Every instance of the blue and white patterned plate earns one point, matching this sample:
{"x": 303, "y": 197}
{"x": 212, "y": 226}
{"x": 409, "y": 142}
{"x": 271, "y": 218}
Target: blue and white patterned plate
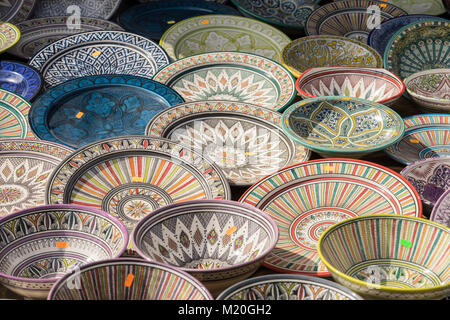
{"x": 103, "y": 9}
{"x": 96, "y": 53}
{"x": 154, "y": 18}
{"x": 20, "y": 78}
{"x": 88, "y": 109}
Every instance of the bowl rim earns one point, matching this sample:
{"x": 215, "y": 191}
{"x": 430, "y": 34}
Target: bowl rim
{"x": 382, "y": 288}
{"x": 105, "y": 214}
{"x": 275, "y": 277}
{"x": 208, "y": 203}
{"x": 305, "y": 143}
{"x": 196, "y": 283}
{"x": 438, "y": 203}
{"x": 389, "y": 76}
{"x": 420, "y": 96}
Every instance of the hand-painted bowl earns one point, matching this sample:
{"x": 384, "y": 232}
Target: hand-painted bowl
{"x": 287, "y": 287}
{"x": 430, "y": 177}
{"x": 39, "y": 245}
{"x": 430, "y": 89}
{"x": 418, "y": 46}
{"x": 374, "y": 84}
{"x": 218, "y": 242}
{"x": 389, "y": 257}
{"x": 441, "y": 210}
{"x": 342, "y": 126}
{"x": 350, "y": 18}
{"x": 128, "y": 279}
{"x": 328, "y": 51}
{"x": 425, "y": 136}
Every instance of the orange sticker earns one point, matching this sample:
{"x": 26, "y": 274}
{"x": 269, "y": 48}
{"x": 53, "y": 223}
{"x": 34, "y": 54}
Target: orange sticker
{"x": 62, "y": 244}
{"x": 129, "y": 280}
{"x": 96, "y": 53}
{"x": 230, "y": 231}
{"x": 414, "y": 140}
{"x": 79, "y": 115}
{"x": 138, "y": 179}
{"x": 205, "y": 22}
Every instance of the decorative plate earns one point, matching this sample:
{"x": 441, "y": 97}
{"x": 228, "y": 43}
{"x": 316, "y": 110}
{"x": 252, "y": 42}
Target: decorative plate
{"x": 103, "y": 9}
{"x": 431, "y": 7}
{"x": 430, "y": 89}
{"x": 20, "y": 79}
{"x": 350, "y": 18}
{"x": 418, "y": 46}
{"x": 379, "y": 37}
{"x": 15, "y": 11}
{"x": 285, "y": 14}
{"x": 38, "y": 33}
{"x": 244, "y": 140}
{"x": 14, "y": 116}
{"x": 88, "y": 109}
{"x": 342, "y": 126}
{"x": 374, "y": 84}
{"x": 131, "y": 176}
{"x": 307, "y": 198}
{"x": 99, "y": 52}
{"x": 9, "y": 35}
{"x": 230, "y": 76}
{"x": 223, "y": 33}
{"x": 426, "y": 136}
{"x": 441, "y": 210}
{"x": 154, "y": 18}
{"x": 430, "y": 177}
{"x": 328, "y": 51}
{"x": 25, "y": 166}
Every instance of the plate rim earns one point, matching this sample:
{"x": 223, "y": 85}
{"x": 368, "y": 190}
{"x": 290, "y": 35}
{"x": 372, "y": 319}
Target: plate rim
{"x": 35, "y": 71}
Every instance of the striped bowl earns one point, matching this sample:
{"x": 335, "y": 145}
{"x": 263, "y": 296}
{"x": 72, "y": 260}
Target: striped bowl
{"x": 128, "y": 279}
{"x": 389, "y": 257}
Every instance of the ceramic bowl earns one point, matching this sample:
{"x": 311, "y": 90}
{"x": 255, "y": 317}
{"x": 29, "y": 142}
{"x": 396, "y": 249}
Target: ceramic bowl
{"x": 441, "y": 210}
{"x": 287, "y": 287}
{"x": 128, "y": 279}
{"x": 389, "y": 257}
{"x": 328, "y": 51}
{"x": 39, "y": 245}
{"x": 342, "y": 126}
{"x": 425, "y": 136}
{"x": 218, "y": 242}
{"x": 350, "y": 18}
{"x": 430, "y": 89}
{"x": 418, "y": 46}
{"x": 431, "y": 7}
{"x": 430, "y": 177}
{"x": 374, "y": 84}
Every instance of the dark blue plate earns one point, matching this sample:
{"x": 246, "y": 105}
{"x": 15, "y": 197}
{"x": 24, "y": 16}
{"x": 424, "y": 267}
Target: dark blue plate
{"x": 20, "y": 78}
{"x": 88, "y": 109}
{"x": 152, "y": 19}
{"x": 379, "y": 38}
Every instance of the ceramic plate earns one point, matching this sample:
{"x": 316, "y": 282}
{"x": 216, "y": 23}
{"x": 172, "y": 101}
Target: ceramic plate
{"x": 286, "y": 14}
{"x": 87, "y": 109}
{"x": 9, "y": 35}
{"x": 244, "y": 140}
{"x": 426, "y": 136}
{"x": 38, "y": 33}
{"x": 441, "y": 210}
{"x": 131, "y": 176}
{"x": 15, "y": 11}
{"x": 418, "y": 46}
{"x": 230, "y": 76}
{"x": 307, "y": 198}
{"x": 103, "y": 9}
{"x": 25, "y": 166}
{"x": 223, "y": 33}
{"x": 98, "y": 52}
{"x": 20, "y": 79}
{"x": 430, "y": 177}
{"x": 328, "y": 51}
{"x": 153, "y": 19}
{"x": 349, "y": 18}
{"x": 14, "y": 116}
{"x": 379, "y": 37}
{"x": 432, "y": 7}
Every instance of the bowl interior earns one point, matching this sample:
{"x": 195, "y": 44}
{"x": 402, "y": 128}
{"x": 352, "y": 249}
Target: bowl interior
{"x": 48, "y": 243}
{"x": 433, "y": 84}
{"x": 342, "y": 125}
{"x": 205, "y": 238}
{"x": 395, "y": 252}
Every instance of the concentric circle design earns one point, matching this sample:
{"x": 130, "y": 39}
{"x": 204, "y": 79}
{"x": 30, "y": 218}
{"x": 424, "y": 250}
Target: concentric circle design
{"x": 9, "y": 35}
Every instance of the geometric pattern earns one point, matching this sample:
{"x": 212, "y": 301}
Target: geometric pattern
{"x": 20, "y": 78}
{"x": 441, "y": 211}
{"x": 16, "y": 11}
{"x": 14, "y": 106}
{"x": 103, "y": 9}
{"x": 9, "y": 35}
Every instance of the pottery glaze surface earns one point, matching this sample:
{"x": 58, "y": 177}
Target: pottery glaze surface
{"x": 20, "y": 79}
{"x": 14, "y": 122}
{"x": 441, "y": 210}
{"x": 103, "y": 9}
